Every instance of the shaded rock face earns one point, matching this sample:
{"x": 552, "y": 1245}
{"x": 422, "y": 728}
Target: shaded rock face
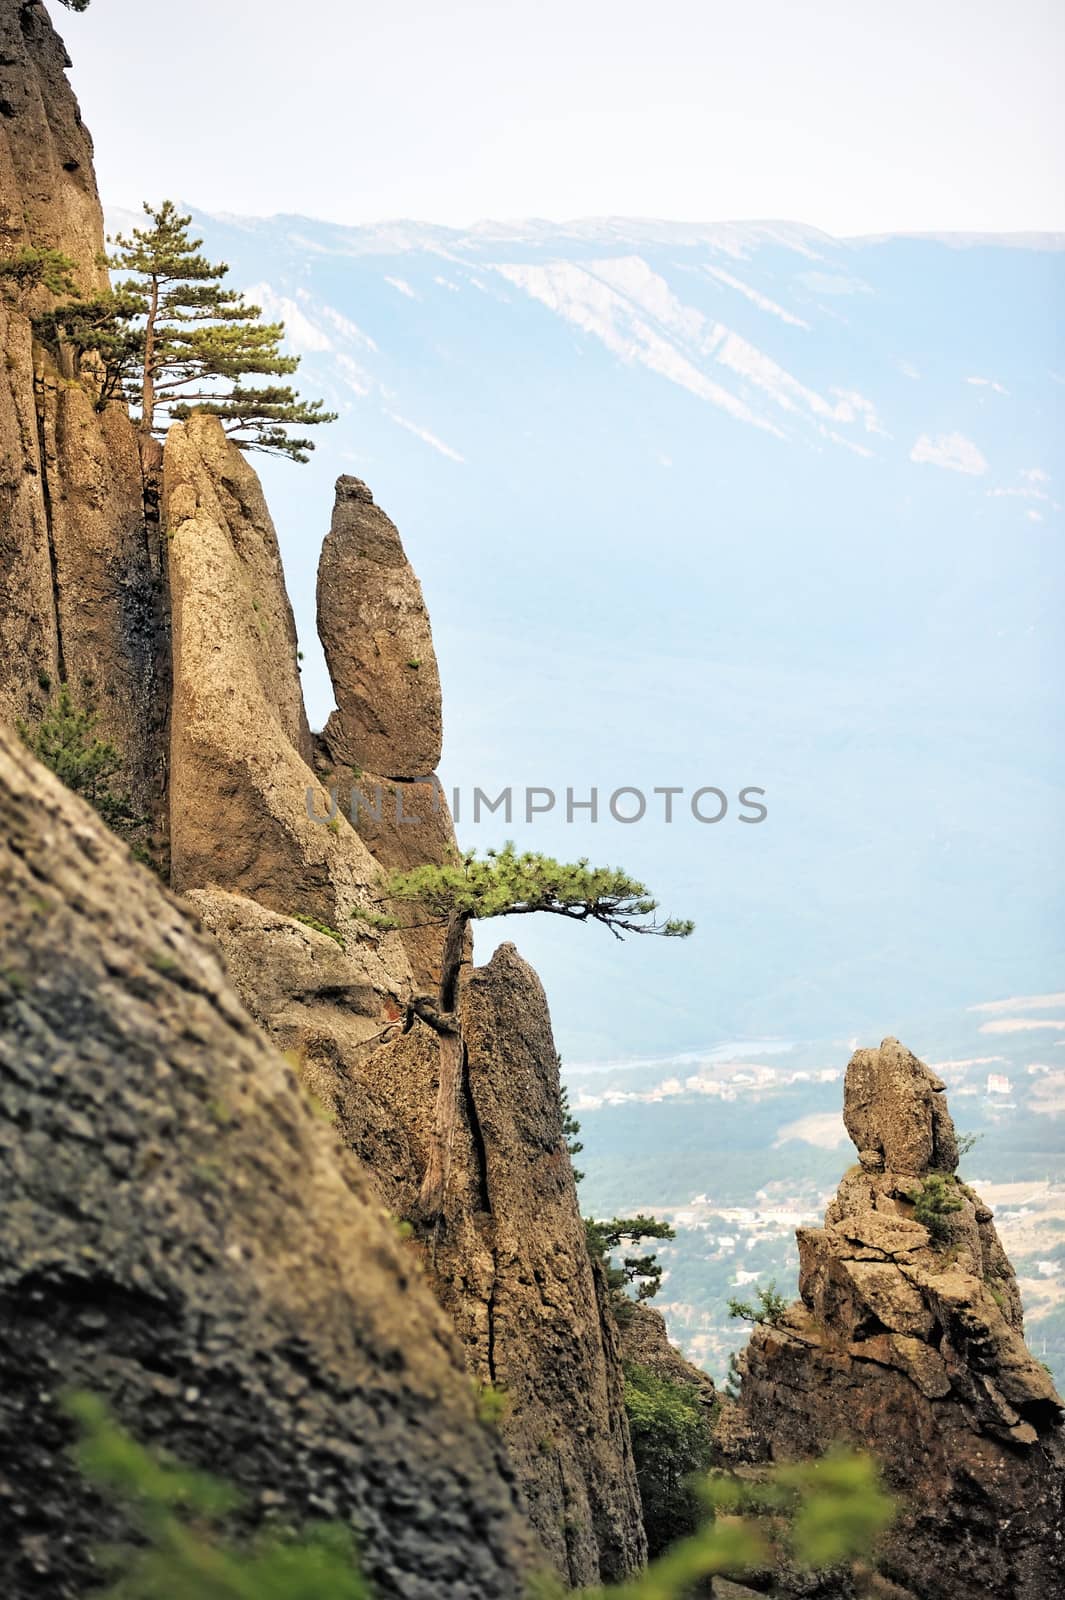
{"x": 112, "y": 638}
{"x": 178, "y": 1237}
{"x": 375, "y": 632}
{"x": 404, "y": 824}
{"x": 509, "y": 1262}
{"x": 913, "y": 1347}
{"x": 82, "y": 593}
{"x": 325, "y": 1007}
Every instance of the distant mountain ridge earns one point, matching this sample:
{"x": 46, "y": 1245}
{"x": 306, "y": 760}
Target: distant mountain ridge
{"x": 731, "y": 235}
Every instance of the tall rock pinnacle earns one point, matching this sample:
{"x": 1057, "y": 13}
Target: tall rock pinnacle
{"x": 908, "y": 1341}
{"x": 378, "y": 644}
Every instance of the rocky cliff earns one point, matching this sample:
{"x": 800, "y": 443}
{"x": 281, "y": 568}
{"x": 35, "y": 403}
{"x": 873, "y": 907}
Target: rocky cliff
{"x": 155, "y": 591}
{"x": 178, "y": 1235}
{"x": 508, "y": 1259}
{"x": 908, "y": 1341}
{"x": 82, "y": 580}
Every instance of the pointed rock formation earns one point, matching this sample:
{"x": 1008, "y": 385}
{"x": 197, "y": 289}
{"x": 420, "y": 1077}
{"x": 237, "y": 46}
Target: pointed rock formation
{"x": 378, "y": 644}
{"x": 178, "y": 1238}
{"x": 908, "y": 1341}
{"x": 381, "y": 746}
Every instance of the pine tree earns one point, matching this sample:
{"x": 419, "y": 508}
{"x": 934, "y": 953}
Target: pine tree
{"x": 198, "y": 343}
{"x": 767, "y": 1309}
{"x": 500, "y": 884}
{"x": 30, "y": 269}
{"x": 105, "y": 330}
{"x": 643, "y": 1272}
{"x": 503, "y": 883}
{"x": 65, "y": 739}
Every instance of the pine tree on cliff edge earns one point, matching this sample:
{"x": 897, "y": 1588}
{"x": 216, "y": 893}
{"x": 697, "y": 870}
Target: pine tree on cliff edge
{"x": 199, "y": 343}
{"x": 502, "y": 883}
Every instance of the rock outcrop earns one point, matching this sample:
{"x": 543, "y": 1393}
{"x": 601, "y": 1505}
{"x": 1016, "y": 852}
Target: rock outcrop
{"x": 247, "y": 813}
{"x": 48, "y": 195}
{"x": 908, "y": 1341}
{"x": 646, "y": 1343}
{"x": 375, "y": 632}
{"x": 178, "y": 1238}
{"x": 82, "y": 587}
{"x": 509, "y": 1262}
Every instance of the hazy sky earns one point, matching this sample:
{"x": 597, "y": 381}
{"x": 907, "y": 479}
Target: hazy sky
{"x": 851, "y": 115}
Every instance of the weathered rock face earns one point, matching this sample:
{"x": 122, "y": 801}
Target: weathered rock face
{"x": 239, "y": 778}
{"x": 381, "y": 745}
{"x": 28, "y": 634}
{"x": 404, "y": 824}
{"x": 112, "y": 641}
{"x": 178, "y": 1238}
{"x": 48, "y": 195}
{"x": 375, "y": 632}
{"x": 895, "y": 1112}
{"x": 912, "y": 1346}
{"x": 510, "y": 1264}
{"x": 82, "y": 595}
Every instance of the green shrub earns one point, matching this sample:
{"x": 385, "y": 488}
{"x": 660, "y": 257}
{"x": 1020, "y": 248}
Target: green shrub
{"x": 492, "y": 1404}
{"x": 320, "y": 927}
{"x": 823, "y": 1516}
{"x": 66, "y": 741}
{"x": 768, "y": 1308}
{"x": 934, "y": 1203}
{"x": 671, "y": 1441}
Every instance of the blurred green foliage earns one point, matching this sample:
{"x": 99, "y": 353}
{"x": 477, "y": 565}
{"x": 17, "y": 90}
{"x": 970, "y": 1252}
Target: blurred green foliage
{"x": 817, "y": 1515}
{"x": 183, "y": 1552}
